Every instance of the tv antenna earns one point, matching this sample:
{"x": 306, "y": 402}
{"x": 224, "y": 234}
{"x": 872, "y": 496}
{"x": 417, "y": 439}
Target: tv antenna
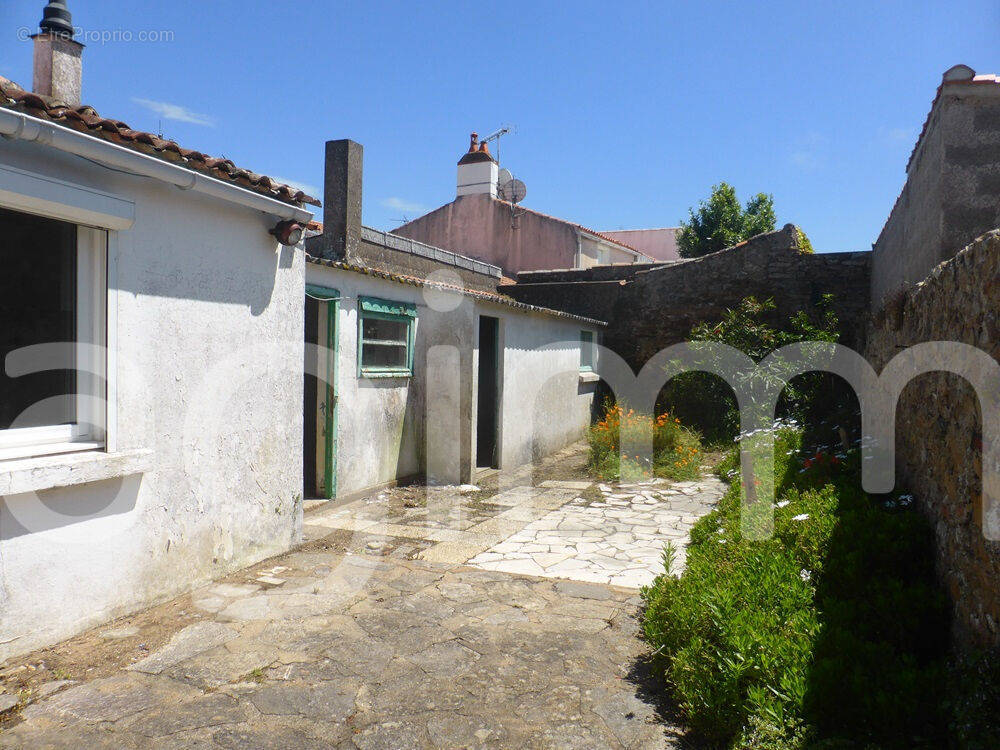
{"x": 495, "y": 136}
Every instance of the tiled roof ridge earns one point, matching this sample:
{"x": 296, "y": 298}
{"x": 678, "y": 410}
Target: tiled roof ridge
{"x": 500, "y": 299}
{"x": 85, "y": 119}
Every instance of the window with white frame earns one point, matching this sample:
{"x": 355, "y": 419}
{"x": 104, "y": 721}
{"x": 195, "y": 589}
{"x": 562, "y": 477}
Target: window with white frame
{"x": 385, "y": 338}
{"x": 52, "y": 358}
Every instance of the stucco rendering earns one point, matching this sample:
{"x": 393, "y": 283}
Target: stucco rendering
{"x": 195, "y": 478}
{"x": 658, "y": 244}
{"x": 484, "y": 223}
{"x": 404, "y": 427}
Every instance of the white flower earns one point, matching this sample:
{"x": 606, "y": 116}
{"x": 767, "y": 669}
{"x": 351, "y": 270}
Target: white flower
{"x": 800, "y": 517}
{"x": 781, "y": 504}
{"x": 805, "y": 575}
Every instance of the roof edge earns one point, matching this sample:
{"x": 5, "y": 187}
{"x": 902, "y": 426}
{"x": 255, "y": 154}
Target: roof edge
{"x": 496, "y": 298}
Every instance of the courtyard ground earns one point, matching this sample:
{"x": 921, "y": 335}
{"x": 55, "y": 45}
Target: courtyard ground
{"x": 503, "y": 615}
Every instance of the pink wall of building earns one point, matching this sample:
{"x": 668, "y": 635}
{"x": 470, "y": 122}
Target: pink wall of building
{"x": 481, "y": 227}
{"x": 660, "y": 244}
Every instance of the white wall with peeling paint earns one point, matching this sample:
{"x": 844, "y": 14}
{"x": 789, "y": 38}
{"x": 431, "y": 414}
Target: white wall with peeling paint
{"x": 207, "y": 312}
{"x": 396, "y": 428}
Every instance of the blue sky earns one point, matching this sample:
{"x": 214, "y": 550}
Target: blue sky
{"x": 625, "y": 113}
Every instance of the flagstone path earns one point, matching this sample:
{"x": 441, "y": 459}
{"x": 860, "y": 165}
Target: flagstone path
{"x": 389, "y": 634}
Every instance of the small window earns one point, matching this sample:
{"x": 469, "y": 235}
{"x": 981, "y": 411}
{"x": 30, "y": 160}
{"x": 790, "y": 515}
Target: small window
{"x": 586, "y": 350}
{"x": 52, "y": 304}
{"x": 385, "y": 338}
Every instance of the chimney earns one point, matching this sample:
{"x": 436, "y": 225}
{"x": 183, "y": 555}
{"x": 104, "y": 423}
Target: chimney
{"x": 58, "y": 64}
{"x": 342, "y": 187}
{"x": 477, "y": 171}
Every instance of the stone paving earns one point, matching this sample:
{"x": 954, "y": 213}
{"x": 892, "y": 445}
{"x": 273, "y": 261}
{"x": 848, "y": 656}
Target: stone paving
{"x": 617, "y": 539}
{"x": 574, "y": 529}
{"x": 415, "y": 618}
{"x": 351, "y": 651}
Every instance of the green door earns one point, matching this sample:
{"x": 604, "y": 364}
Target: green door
{"x": 328, "y": 303}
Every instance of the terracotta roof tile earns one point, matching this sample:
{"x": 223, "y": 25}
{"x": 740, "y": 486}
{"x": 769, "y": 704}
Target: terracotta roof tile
{"x": 500, "y": 299}
{"x": 85, "y": 119}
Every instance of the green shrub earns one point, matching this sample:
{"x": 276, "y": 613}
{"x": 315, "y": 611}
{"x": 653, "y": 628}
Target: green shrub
{"x": 704, "y": 402}
{"x": 831, "y": 631}
{"x": 676, "y": 449}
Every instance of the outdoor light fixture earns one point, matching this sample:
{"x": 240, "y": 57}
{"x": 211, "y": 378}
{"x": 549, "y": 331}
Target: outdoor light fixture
{"x": 288, "y": 232}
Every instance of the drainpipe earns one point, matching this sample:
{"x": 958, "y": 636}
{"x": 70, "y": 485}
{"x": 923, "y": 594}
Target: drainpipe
{"x": 19, "y": 126}
{"x": 579, "y": 250}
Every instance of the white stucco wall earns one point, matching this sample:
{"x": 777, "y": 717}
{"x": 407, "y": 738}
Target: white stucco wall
{"x": 545, "y": 405}
{"x": 388, "y": 428}
{"x": 206, "y": 319}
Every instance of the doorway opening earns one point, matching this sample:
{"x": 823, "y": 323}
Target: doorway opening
{"x": 319, "y": 423}
{"x": 488, "y": 397}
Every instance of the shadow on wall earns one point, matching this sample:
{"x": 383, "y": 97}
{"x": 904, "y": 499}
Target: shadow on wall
{"x": 244, "y": 276}
{"x": 50, "y": 510}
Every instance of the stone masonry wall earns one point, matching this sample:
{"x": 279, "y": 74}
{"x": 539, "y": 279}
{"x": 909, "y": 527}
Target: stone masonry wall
{"x": 938, "y": 426}
{"x": 952, "y": 190}
{"x": 659, "y": 305}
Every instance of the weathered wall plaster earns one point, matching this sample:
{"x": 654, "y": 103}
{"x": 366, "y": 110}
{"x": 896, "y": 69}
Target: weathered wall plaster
{"x": 384, "y": 424}
{"x": 209, "y": 327}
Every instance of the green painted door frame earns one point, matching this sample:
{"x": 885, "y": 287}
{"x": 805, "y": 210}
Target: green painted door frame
{"x": 331, "y": 298}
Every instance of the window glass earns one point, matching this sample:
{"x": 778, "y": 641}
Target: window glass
{"x": 586, "y": 350}
{"x": 384, "y": 331}
{"x": 38, "y": 305}
{"x": 384, "y": 346}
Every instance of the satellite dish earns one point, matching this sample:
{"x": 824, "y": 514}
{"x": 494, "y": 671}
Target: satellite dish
{"x": 503, "y": 177}
{"x": 514, "y": 191}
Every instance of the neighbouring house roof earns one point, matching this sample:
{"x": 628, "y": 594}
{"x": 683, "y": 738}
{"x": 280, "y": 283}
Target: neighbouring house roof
{"x": 414, "y": 247}
{"x": 85, "y": 119}
{"x": 500, "y": 299}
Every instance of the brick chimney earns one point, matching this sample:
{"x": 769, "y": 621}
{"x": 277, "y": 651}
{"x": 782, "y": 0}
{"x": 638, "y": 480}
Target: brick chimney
{"x": 58, "y": 64}
{"x": 477, "y": 170}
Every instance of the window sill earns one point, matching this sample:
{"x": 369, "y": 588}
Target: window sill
{"x": 386, "y": 374}
{"x": 586, "y": 376}
{"x": 68, "y": 469}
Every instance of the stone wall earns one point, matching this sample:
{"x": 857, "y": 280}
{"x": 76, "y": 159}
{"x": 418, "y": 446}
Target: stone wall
{"x": 938, "y": 426}
{"x": 952, "y": 190}
{"x": 657, "y": 306}
{"x": 591, "y": 299}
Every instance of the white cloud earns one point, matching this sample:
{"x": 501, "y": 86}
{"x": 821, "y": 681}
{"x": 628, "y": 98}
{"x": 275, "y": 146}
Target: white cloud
{"x": 175, "y": 112}
{"x": 305, "y": 187}
{"x": 408, "y": 207}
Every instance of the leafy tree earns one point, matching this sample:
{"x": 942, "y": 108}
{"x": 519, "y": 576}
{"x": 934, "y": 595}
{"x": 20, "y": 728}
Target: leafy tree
{"x": 720, "y": 222}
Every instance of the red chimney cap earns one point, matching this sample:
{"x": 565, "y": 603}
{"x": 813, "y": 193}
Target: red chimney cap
{"x": 473, "y": 141}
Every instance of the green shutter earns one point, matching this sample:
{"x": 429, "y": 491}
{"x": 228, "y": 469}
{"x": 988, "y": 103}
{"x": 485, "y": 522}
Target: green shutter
{"x": 387, "y": 307}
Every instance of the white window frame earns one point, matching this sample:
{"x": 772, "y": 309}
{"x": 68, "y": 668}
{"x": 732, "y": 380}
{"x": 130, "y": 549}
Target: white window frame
{"x": 97, "y": 243}
{"x": 88, "y": 430}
